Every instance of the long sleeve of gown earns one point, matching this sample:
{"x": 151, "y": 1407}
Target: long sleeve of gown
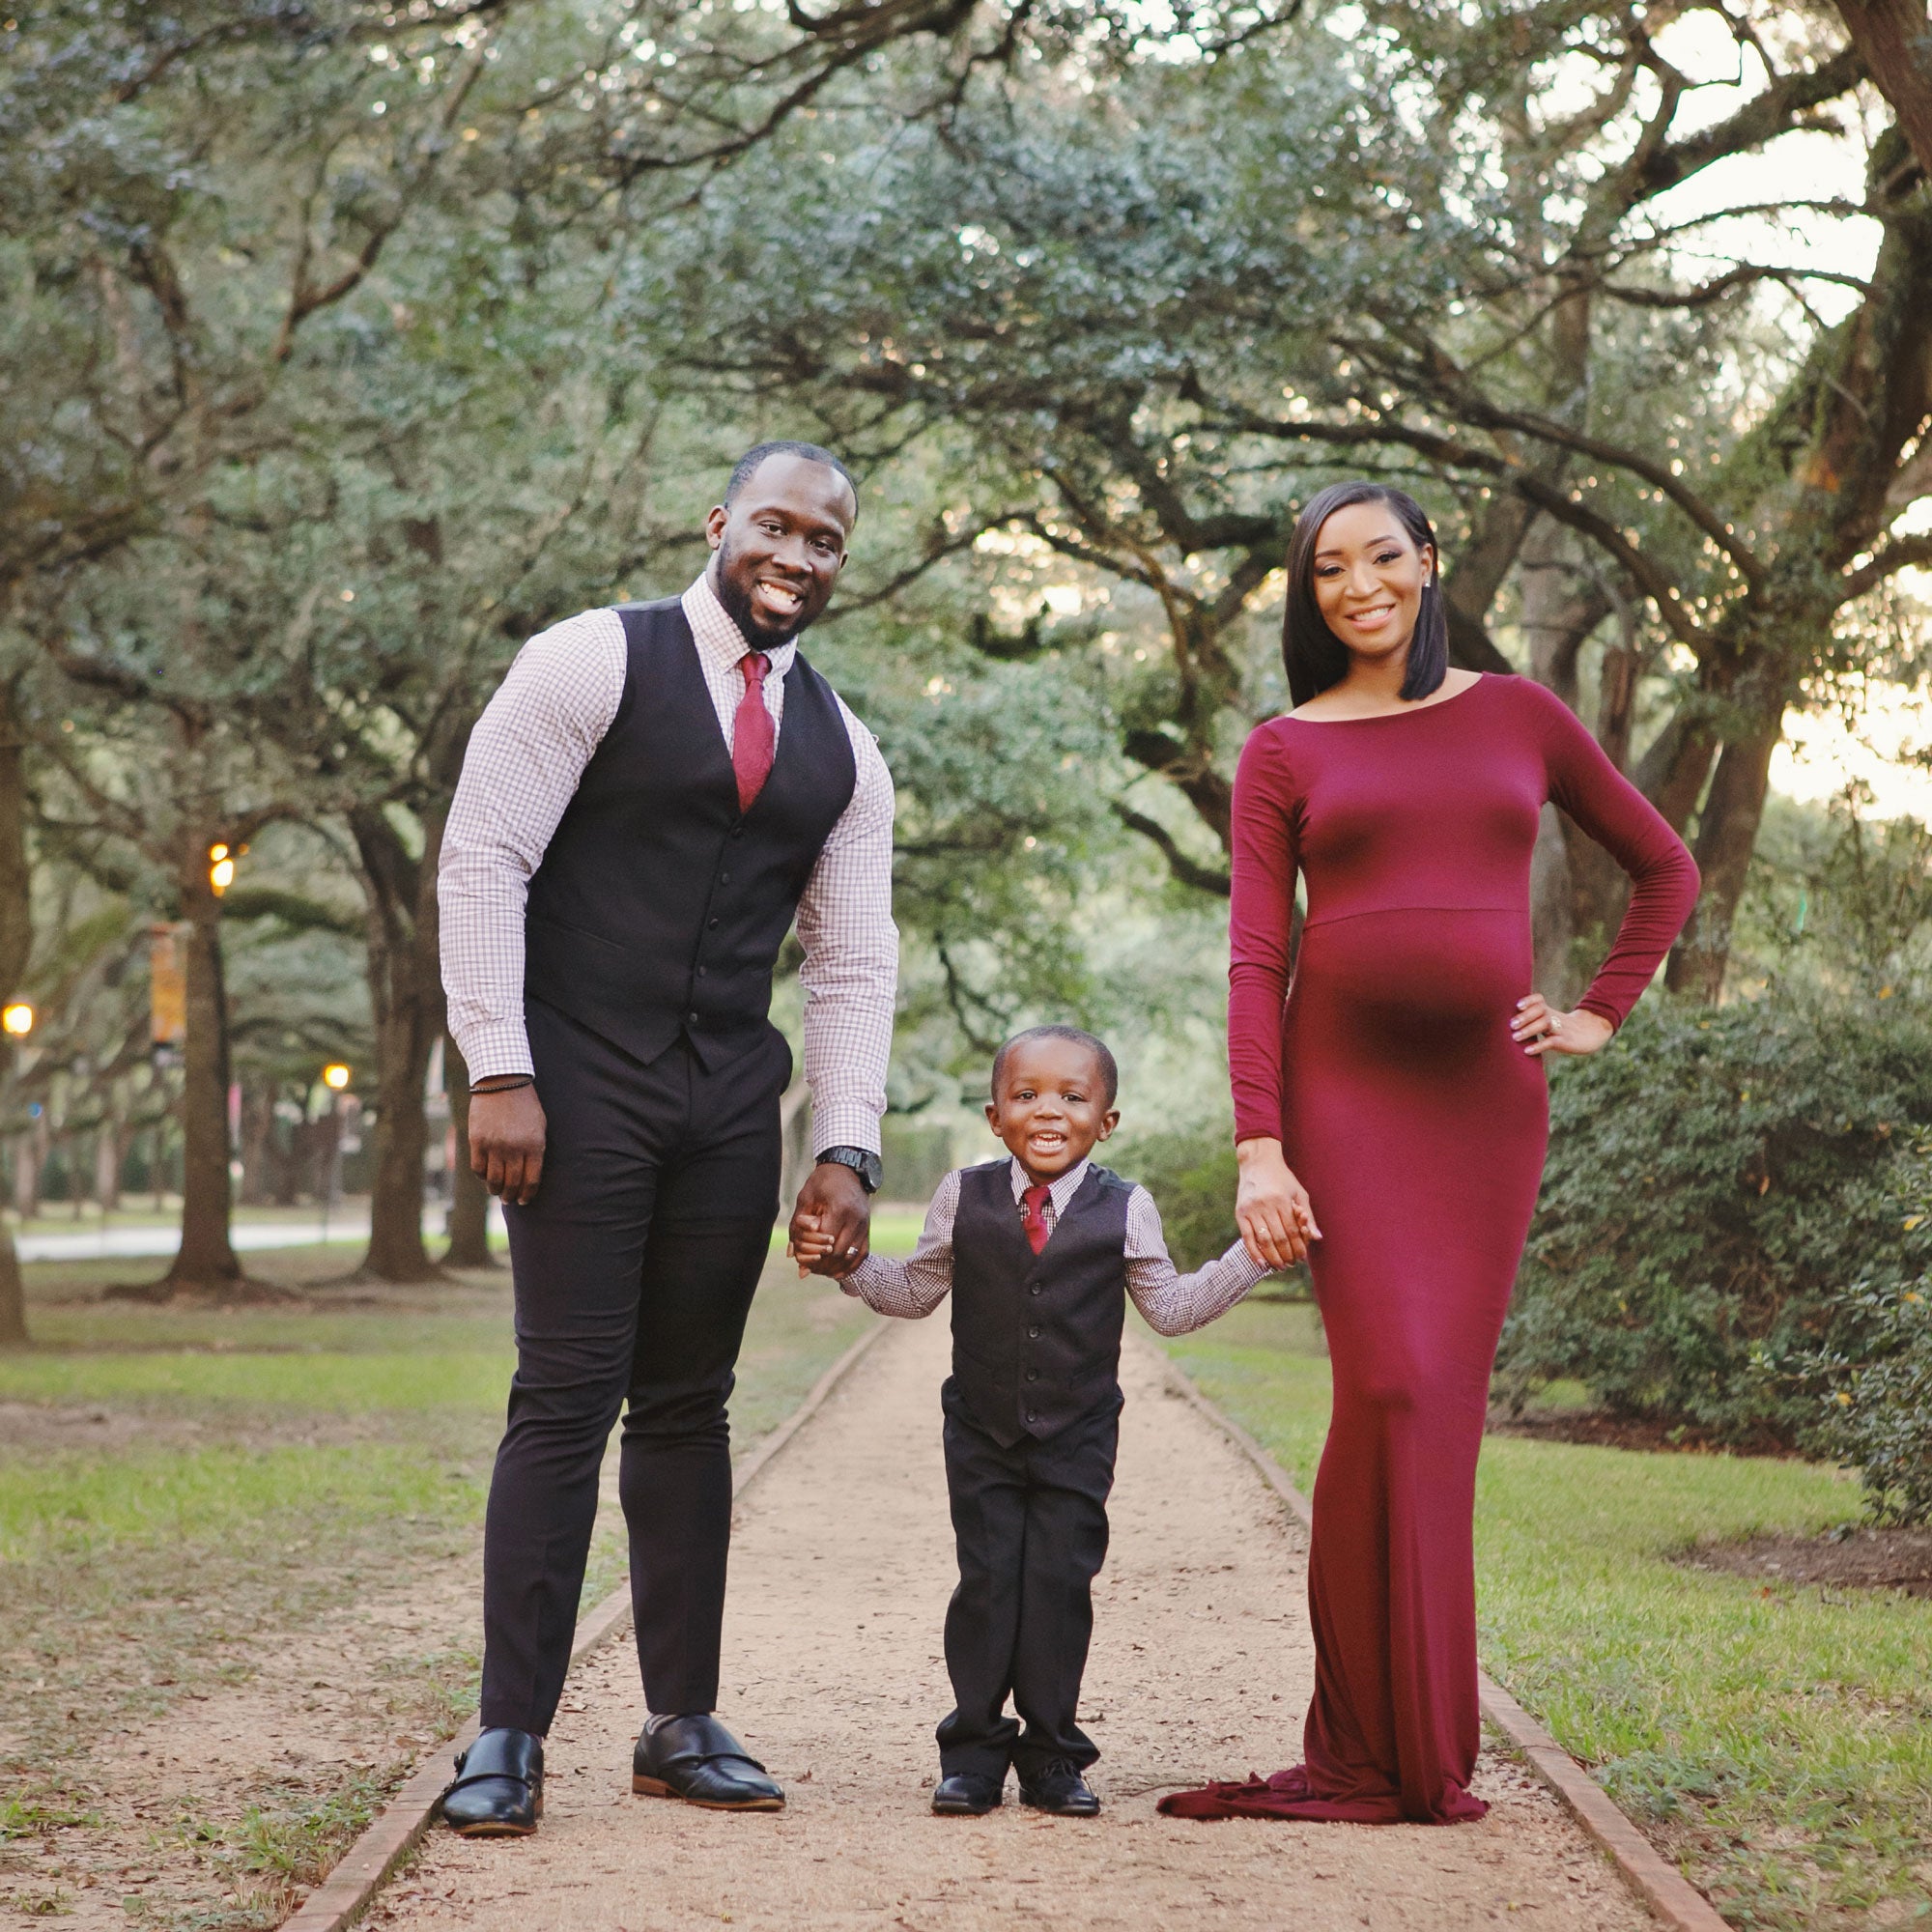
{"x": 1261, "y": 918}
{"x": 1664, "y": 875}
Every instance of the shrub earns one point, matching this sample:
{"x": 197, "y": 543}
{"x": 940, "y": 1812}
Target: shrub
{"x": 1717, "y": 1183}
{"x": 1873, "y": 1383}
{"x": 1192, "y": 1178}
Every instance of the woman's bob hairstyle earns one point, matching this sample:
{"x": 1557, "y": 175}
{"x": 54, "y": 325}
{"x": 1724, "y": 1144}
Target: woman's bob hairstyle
{"x": 1311, "y": 654}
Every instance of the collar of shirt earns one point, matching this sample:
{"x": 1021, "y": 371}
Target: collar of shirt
{"x": 717, "y": 636}
{"x": 1059, "y": 1191}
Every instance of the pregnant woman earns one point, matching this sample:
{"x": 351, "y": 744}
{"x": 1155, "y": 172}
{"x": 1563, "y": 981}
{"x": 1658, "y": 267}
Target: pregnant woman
{"x": 1392, "y": 1112}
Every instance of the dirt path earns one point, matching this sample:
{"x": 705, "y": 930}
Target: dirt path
{"x": 1201, "y": 1666}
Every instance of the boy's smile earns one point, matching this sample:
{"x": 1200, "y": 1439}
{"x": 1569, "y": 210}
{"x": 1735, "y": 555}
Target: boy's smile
{"x": 1051, "y": 1106}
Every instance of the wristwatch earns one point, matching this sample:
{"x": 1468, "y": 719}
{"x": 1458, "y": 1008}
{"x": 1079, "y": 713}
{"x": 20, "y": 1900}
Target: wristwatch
{"x": 862, "y": 1162}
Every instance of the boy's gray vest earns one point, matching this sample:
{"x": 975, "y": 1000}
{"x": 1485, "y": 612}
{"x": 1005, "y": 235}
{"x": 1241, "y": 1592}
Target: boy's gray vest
{"x": 1036, "y": 1338}
{"x": 659, "y": 907}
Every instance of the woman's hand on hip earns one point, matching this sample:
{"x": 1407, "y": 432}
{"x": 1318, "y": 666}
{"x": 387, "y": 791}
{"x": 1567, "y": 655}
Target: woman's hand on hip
{"x": 1539, "y": 1029}
{"x": 1272, "y": 1206}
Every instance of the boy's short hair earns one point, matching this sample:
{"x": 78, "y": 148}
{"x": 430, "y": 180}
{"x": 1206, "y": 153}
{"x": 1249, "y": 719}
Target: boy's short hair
{"x": 1102, "y": 1053}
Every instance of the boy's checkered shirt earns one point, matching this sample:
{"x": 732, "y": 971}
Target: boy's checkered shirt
{"x": 1172, "y": 1302}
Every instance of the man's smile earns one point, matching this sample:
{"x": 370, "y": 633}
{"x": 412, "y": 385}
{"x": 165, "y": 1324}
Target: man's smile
{"x": 777, "y": 599}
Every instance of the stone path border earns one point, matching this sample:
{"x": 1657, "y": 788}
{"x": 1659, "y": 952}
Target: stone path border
{"x": 1670, "y": 1896}
{"x": 362, "y": 1871}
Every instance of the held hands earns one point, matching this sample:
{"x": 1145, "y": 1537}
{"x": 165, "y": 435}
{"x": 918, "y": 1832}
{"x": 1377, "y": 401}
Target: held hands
{"x": 831, "y": 1226}
{"x": 506, "y": 1141}
{"x": 1272, "y": 1206}
{"x": 1547, "y": 1030}
{"x": 810, "y": 1247}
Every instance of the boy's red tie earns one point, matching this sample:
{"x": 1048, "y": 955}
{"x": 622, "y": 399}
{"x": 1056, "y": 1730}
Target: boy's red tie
{"x": 754, "y": 742}
{"x": 1033, "y": 1204}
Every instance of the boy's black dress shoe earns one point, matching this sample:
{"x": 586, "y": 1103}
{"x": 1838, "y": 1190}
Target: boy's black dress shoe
{"x": 966, "y": 1794}
{"x": 698, "y": 1759}
{"x": 1057, "y": 1786}
{"x": 498, "y": 1792}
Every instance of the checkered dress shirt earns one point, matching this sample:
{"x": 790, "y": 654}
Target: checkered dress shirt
{"x": 1172, "y": 1302}
{"x": 526, "y": 758}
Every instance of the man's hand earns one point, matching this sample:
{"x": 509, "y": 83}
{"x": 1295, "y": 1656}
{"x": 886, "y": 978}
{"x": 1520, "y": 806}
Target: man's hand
{"x": 832, "y": 1225}
{"x": 506, "y": 1141}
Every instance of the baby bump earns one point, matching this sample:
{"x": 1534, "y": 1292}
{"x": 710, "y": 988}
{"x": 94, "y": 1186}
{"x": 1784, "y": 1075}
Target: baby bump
{"x": 1414, "y": 1119}
{"x": 1416, "y": 979}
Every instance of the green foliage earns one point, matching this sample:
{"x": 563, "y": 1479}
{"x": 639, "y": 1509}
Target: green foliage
{"x": 1191, "y": 1176}
{"x": 1874, "y": 1382}
{"x": 1878, "y": 1414}
{"x": 1716, "y": 1182}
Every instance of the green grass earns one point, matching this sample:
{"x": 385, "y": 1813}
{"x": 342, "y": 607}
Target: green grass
{"x": 1776, "y": 1739}
{"x": 254, "y": 1468}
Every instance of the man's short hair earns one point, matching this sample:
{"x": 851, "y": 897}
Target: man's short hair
{"x": 747, "y": 467}
{"x": 1109, "y": 1072}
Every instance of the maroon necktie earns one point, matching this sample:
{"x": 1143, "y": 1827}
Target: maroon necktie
{"x": 754, "y": 742}
{"x": 1032, "y": 1206}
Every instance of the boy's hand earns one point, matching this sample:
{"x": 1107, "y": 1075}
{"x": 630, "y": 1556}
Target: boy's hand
{"x": 810, "y": 1245}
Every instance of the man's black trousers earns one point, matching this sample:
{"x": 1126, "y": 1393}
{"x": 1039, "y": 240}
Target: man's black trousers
{"x": 1031, "y": 1527}
{"x": 635, "y": 1268}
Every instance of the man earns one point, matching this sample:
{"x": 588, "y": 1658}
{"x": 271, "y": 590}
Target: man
{"x": 647, "y": 802}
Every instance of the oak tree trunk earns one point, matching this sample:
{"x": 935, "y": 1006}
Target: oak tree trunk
{"x": 406, "y": 997}
{"x": 469, "y": 1198}
{"x": 1726, "y": 833}
{"x": 17, "y": 938}
{"x": 205, "y": 1258}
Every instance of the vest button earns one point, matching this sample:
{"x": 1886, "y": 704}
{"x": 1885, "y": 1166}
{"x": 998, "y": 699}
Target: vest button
{"x": 702, "y": 970}
{"x": 1035, "y": 1289}
{"x": 737, "y": 832}
{"x": 714, "y": 923}
{"x": 1033, "y": 1333}
{"x": 1032, "y": 1416}
{"x": 691, "y": 1017}
{"x": 723, "y": 878}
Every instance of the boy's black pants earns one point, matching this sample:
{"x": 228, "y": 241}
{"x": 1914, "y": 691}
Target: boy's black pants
{"x": 1031, "y": 1525}
{"x": 635, "y": 1269}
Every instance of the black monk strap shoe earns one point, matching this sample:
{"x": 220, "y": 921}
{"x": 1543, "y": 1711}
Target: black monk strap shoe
{"x": 1057, "y": 1786}
{"x": 966, "y": 1794}
{"x": 699, "y": 1760}
{"x": 498, "y": 1788}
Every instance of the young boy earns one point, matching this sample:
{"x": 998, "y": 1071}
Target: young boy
{"x": 1039, "y": 1252}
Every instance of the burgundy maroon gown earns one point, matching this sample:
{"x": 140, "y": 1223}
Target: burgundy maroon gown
{"x": 1419, "y": 1126}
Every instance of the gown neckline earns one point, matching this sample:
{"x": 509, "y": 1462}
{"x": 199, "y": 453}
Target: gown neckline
{"x": 1382, "y": 716}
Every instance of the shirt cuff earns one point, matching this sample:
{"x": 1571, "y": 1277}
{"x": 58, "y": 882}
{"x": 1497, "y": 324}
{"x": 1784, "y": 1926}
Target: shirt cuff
{"x": 500, "y": 1047}
{"x": 844, "y": 1124}
{"x": 1245, "y": 1268}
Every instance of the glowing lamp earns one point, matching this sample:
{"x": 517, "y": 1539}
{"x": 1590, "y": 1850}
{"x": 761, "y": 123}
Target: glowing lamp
{"x": 16, "y": 1017}
{"x": 336, "y": 1076}
{"x": 220, "y": 869}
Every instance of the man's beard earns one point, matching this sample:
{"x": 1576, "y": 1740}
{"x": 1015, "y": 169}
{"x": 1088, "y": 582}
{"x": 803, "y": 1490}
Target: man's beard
{"x": 737, "y": 604}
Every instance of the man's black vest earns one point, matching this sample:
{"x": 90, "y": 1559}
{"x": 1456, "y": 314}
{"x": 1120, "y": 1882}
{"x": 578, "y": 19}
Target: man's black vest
{"x": 1036, "y": 1338}
{"x": 659, "y": 907}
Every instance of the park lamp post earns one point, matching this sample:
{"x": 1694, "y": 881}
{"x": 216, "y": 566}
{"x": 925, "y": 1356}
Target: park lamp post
{"x": 336, "y": 1076}
{"x": 16, "y": 1022}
